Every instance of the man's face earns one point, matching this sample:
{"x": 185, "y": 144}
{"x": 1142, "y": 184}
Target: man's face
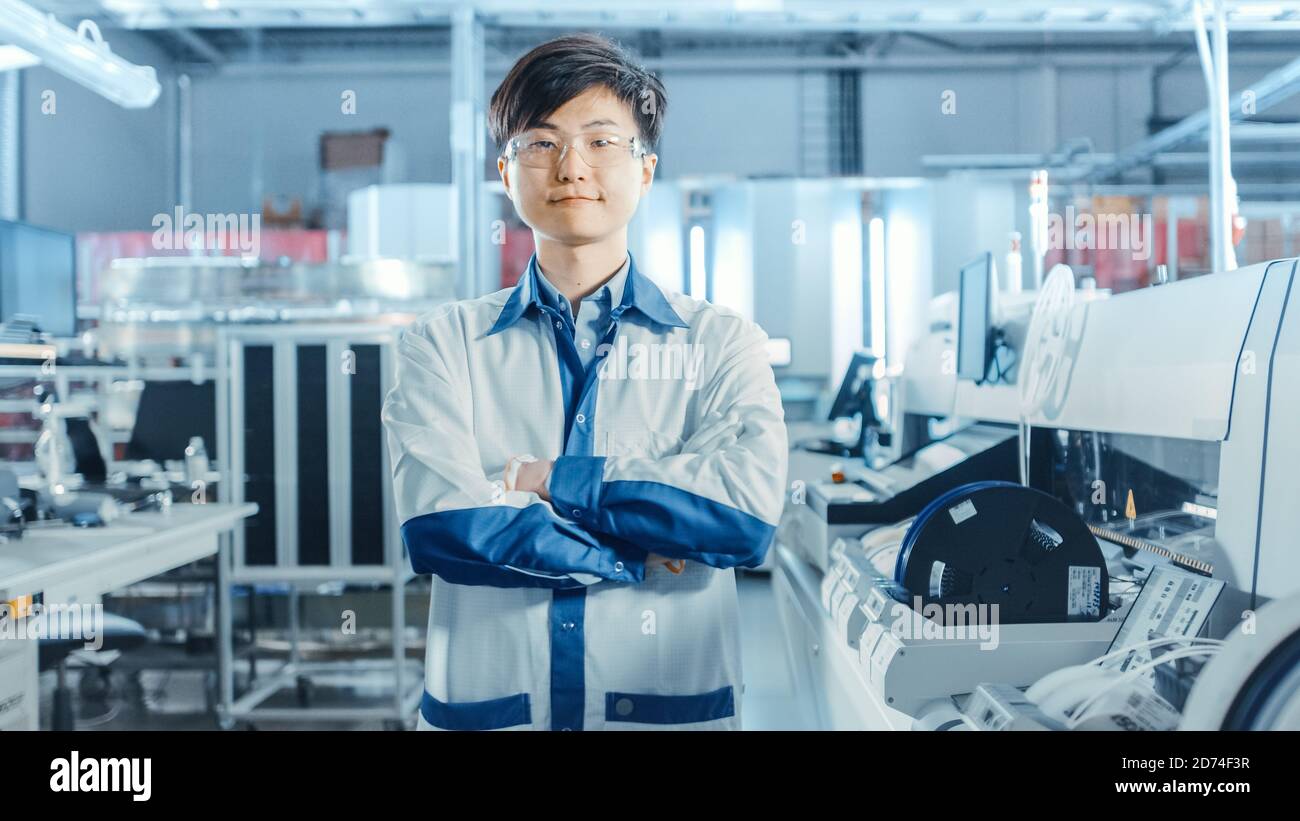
{"x": 571, "y": 202}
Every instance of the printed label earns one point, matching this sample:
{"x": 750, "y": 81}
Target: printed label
{"x": 962, "y": 512}
{"x": 1085, "y": 592}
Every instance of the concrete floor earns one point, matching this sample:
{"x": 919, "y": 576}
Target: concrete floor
{"x": 771, "y": 699}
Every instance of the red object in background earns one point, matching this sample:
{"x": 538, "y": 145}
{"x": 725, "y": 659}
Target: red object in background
{"x": 1193, "y": 243}
{"x": 96, "y": 250}
{"x": 515, "y": 252}
{"x": 299, "y": 245}
{"x": 1119, "y": 269}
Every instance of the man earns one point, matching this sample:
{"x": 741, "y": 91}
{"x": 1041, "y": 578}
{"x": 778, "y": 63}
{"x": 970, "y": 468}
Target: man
{"x": 581, "y": 461}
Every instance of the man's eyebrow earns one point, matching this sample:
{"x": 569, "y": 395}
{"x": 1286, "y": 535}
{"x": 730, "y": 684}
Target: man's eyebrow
{"x": 552, "y": 127}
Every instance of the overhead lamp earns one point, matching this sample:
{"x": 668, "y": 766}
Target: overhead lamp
{"x": 82, "y": 55}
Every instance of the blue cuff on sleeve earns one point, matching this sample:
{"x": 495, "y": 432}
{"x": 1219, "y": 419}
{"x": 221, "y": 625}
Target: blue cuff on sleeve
{"x": 575, "y": 487}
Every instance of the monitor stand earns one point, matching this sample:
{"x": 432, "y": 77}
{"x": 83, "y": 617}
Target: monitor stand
{"x": 856, "y": 450}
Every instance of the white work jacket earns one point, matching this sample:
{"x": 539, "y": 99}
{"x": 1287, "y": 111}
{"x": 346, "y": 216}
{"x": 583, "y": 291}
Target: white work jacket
{"x": 544, "y": 615}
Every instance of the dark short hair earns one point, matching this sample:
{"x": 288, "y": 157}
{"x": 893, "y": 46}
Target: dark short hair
{"x": 558, "y": 70}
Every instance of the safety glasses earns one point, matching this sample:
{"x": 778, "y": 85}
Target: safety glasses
{"x": 543, "y": 148}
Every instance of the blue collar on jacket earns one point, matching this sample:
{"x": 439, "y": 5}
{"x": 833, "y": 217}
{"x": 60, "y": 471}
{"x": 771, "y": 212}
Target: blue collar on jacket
{"x": 640, "y": 294}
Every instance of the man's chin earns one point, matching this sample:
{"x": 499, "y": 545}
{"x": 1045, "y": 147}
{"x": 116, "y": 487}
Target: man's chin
{"x": 568, "y": 235}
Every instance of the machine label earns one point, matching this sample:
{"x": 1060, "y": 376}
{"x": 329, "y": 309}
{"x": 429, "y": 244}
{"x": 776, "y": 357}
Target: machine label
{"x": 1085, "y": 592}
{"x": 962, "y": 512}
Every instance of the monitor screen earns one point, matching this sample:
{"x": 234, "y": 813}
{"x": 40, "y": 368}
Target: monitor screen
{"x": 169, "y": 414}
{"x": 38, "y": 270}
{"x": 975, "y": 318}
{"x": 855, "y": 390}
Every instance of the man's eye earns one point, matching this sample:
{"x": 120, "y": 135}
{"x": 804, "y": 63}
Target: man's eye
{"x": 541, "y": 145}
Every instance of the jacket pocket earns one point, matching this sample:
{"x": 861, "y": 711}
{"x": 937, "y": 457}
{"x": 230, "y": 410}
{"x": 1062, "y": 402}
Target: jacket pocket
{"x": 644, "y": 708}
{"x": 641, "y": 443}
{"x": 495, "y": 714}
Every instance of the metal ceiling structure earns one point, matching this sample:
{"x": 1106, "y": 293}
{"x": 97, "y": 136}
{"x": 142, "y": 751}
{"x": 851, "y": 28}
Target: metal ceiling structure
{"x": 934, "y": 16}
{"x": 472, "y": 35}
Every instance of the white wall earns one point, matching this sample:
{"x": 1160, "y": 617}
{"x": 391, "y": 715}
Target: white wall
{"x": 259, "y": 136}
{"x": 1001, "y": 111}
{"x": 91, "y": 165}
{"x": 746, "y": 124}
{"x": 972, "y": 215}
{"x": 903, "y": 119}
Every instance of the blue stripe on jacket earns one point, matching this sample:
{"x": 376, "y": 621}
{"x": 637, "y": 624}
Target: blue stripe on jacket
{"x": 658, "y": 517}
{"x": 503, "y": 546}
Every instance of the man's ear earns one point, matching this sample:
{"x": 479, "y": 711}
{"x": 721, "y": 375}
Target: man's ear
{"x": 648, "y": 172}
{"x": 503, "y": 168}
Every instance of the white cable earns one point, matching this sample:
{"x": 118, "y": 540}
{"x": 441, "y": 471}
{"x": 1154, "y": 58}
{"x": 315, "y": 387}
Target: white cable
{"x": 1153, "y": 643}
{"x": 1085, "y": 707}
{"x": 1049, "y": 686}
{"x": 1081, "y": 712}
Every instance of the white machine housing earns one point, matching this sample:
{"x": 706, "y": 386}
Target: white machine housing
{"x": 1213, "y": 359}
{"x": 912, "y": 665}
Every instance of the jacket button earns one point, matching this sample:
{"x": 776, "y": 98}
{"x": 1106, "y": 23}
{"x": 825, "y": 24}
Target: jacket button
{"x": 559, "y": 324}
{"x": 618, "y": 567}
{"x": 577, "y": 514}
{"x": 580, "y": 419}
{"x": 623, "y": 706}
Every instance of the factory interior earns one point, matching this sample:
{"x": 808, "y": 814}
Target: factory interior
{"x": 278, "y": 384}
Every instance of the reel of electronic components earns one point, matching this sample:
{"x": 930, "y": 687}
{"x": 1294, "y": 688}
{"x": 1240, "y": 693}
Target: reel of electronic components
{"x": 1003, "y": 544}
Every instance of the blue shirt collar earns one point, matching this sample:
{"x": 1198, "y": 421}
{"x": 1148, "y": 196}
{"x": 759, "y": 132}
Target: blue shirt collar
{"x": 640, "y": 293}
{"x": 611, "y": 289}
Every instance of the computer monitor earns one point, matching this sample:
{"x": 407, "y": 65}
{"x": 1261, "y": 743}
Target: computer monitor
{"x": 170, "y": 413}
{"x": 854, "y": 395}
{"x": 38, "y": 271}
{"x": 975, "y": 318}
{"x": 854, "y": 398}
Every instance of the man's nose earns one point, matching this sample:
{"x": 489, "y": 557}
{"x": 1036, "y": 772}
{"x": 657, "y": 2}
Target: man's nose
{"x": 570, "y": 166}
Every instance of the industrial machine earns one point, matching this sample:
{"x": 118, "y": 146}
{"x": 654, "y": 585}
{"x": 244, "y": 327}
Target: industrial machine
{"x": 864, "y": 498}
{"x": 1143, "y": 446}
{"x": 170, "y": 306}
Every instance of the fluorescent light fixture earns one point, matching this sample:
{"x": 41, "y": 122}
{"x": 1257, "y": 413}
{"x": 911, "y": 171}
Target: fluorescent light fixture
{"x": 731, "y": 255}
{"x": 12, "y": 57}
{"x": 1257, "y": 10}
{"x": 876, "y": 275}
{"x": 846, "y": 292}
{"x": 699, "y": 273}
{"x": 902, "y": 244}
{"x": 82, "y": 55}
